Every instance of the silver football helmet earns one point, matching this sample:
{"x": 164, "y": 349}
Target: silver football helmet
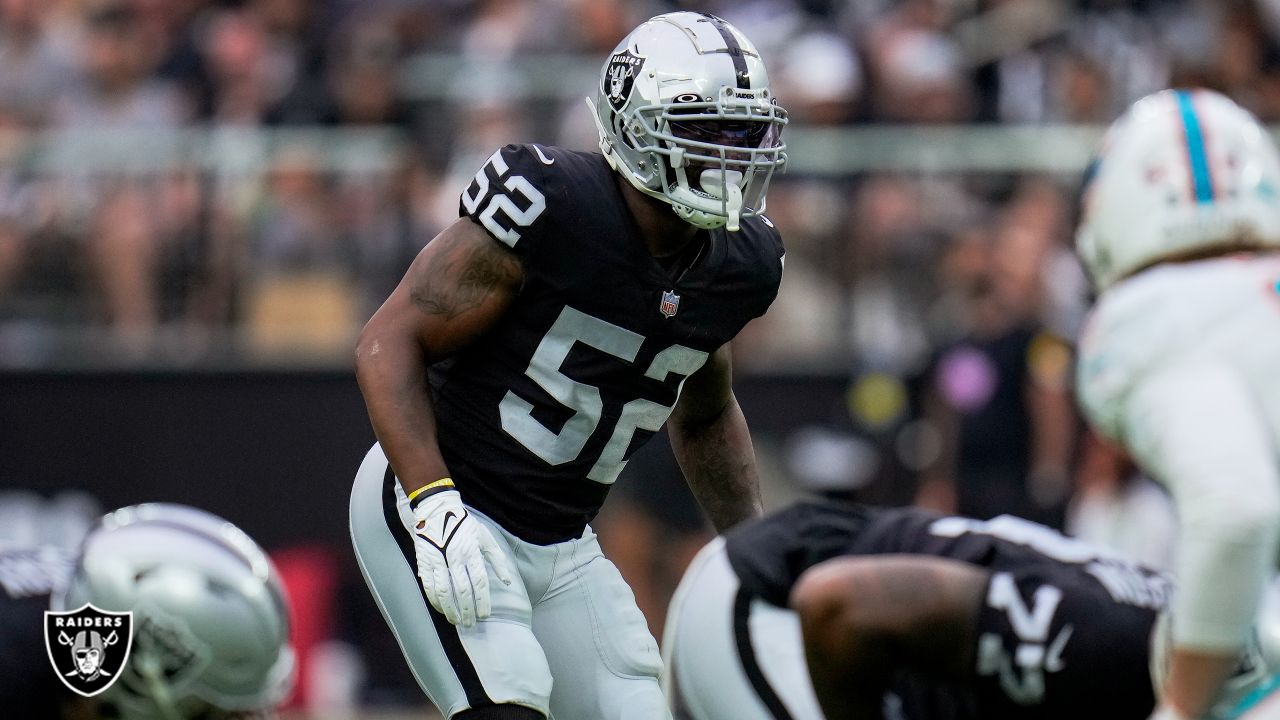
{"x": 685, "y": 114}
{"x": 209, "y": 612}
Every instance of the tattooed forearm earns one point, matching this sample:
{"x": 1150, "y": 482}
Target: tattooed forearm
{"x": 462, "y": 276}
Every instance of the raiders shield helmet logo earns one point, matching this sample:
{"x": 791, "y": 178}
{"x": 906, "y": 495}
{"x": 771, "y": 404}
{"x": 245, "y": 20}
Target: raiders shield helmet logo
{"x": 88, "y": 647}
{"x": 620, "y": 76}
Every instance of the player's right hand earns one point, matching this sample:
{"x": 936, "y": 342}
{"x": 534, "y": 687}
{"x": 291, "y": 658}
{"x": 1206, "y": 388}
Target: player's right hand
{"x": 451, "y": 548}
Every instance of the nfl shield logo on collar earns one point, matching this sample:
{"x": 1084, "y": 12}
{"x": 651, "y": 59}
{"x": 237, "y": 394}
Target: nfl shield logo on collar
{"x": 670, "y": 303}
{"x": 88, "y": 647}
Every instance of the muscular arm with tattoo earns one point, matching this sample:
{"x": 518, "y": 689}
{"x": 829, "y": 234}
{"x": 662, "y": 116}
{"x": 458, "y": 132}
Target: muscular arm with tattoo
{"x": 455, "y": 290}
{"x": 713, "y": 445}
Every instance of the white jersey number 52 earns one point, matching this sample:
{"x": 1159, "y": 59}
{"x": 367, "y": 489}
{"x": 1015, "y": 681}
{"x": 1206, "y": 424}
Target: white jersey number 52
{"x": 500, "y": 202}
{"x": 572, "y": 327}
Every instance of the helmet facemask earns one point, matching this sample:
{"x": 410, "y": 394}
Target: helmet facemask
{"x": 715, "y": 158}
{"x": 167, "y": 677}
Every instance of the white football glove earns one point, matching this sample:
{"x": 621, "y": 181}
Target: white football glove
{"x": 451, "y": 547}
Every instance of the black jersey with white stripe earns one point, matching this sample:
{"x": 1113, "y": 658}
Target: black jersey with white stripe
{"x": 770, "y": 554}
{"x": 29, "y": 686}
{"x": 1063, "y": 632}
{"x": 538, "y": 416}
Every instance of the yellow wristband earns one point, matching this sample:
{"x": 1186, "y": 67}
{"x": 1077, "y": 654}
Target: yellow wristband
{"x": 441, "y": 483}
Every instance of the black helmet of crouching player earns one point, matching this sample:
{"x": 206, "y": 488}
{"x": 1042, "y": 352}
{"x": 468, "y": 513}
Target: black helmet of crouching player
{"x": 685, "y": 114}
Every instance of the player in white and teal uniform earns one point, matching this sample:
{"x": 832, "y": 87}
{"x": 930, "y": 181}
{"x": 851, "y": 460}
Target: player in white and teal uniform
{"x": 1180, "y": 360}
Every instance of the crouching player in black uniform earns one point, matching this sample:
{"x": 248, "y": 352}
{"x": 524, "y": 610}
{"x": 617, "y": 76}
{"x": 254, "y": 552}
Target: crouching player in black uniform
{"x": 846, "y": 611}
{"x": 207, "y": 639}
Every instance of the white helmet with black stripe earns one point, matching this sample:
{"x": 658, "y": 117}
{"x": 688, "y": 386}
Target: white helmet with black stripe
{"x": 209, "y": 611}
{"x": 1182, "y": 173}
{"x": 685, "y": 114}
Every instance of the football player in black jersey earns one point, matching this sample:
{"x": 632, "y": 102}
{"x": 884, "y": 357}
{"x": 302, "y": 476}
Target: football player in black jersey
{"x": 580, "y": 301}
{"x": 209, "y": 626}
{"x": 845, "y": 611}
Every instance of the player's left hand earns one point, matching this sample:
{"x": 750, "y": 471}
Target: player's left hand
{"x": 451, "y": 548}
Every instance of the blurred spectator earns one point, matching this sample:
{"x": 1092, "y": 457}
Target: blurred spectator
{"x": 294, "y": 58}
{"x": 1083, "y": 93}
{"x": 805, "y": 325}
{"x": 20, "y": 213}
{"x": 918, "y": 71}
{"x": 364, "y": 79}
{"x": 600, "y": 24}
{"x": 1117, "y": 508}
{"x": 385, "y": 218}
{"x": 820, "y": 76}
{"x": 998, "y": 397}
{"x": 123, "y": 250}
{"x": 117, "y": 91}
{"x": 36, "y": 71}
{"x": 243, "y": 84}
{"x": 299, "y": 296}
{"x": 887, "y": 243}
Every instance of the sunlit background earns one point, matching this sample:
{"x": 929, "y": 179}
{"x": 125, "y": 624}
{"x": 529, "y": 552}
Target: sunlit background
{"x": 201, "y": 202}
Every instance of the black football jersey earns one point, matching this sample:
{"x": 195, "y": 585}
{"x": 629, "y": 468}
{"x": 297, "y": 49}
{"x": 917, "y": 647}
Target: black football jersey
{"x": 537, "y": 417}
{"x": 29, "y": 686}
{"x": 1064, "y": 631}
{"x": 770, "y": 554}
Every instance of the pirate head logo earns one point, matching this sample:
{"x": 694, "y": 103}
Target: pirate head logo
{"x": 620, "y": 76}
{"x": 88, "y": 647}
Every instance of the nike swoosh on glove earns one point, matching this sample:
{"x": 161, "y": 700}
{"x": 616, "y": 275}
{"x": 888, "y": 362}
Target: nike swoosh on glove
{"x": 451, "y": 547}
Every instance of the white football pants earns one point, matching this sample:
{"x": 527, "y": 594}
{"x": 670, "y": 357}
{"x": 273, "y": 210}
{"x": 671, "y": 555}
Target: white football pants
{"x": 565, "y": 638}
{"x": 729, "y": 656}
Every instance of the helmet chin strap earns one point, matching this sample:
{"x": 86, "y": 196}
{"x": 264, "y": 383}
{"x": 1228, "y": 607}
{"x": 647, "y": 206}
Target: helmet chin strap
{"x": 715, "y": 186}
{"x": 725, "y": 185}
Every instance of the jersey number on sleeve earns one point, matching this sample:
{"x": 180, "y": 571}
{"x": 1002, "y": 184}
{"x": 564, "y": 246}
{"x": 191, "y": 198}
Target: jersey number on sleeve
{"x": 500, "y": 201}
{"x": 565, "y": 446}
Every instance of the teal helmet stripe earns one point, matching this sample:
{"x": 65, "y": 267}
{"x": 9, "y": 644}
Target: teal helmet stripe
{"x": 1201, "y": 180}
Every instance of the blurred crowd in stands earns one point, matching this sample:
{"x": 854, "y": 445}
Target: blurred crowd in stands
{"x": 204, "y": 183}
{"x": 119, "y": 241}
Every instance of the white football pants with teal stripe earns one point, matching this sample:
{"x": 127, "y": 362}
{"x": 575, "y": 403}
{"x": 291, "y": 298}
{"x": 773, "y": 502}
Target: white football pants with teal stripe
{"x": 565, "y": 638}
